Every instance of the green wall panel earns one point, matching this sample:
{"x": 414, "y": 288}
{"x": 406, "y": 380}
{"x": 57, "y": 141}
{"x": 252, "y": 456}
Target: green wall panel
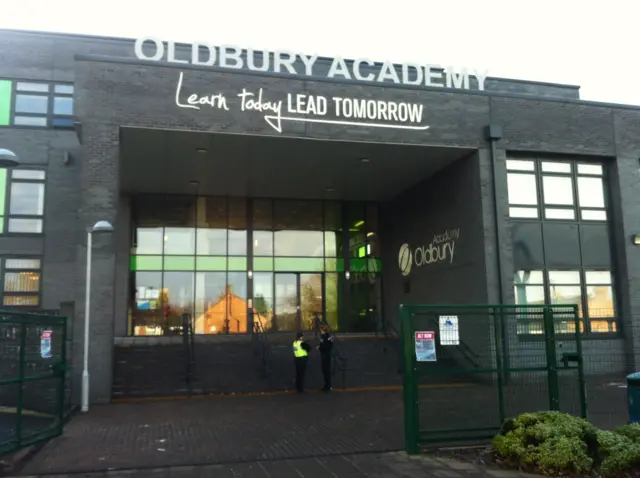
{"x": 5, "y": 102}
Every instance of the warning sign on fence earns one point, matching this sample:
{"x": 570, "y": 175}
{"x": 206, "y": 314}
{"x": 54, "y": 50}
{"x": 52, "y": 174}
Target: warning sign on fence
{"x": 426, "y": 346}
{"x": 45, "y": 344}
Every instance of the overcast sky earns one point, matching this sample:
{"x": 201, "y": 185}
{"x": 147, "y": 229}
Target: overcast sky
{"x": 591, "y": 44}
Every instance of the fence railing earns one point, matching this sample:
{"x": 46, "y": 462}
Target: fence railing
{"x": 33, "y": 368}
{"x": 188, "y": 342}
{"x": 509, "y": 376}
{"x": 263, "y": 347}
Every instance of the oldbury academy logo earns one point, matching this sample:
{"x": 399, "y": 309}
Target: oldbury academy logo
{"x": 442, "y": 248}
{"x": 405, "y": 259}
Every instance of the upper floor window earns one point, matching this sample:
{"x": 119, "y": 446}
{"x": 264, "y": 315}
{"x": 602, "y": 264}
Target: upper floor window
{"x": 36, "y": 104}
{"x": 556, "y": 190}
{"x": 21, "y": 200}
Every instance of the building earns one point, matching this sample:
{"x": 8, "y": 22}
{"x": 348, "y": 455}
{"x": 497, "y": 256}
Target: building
{"x": 279, "y": 186}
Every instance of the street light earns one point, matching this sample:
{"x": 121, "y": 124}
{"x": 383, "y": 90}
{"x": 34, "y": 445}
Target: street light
{"x": 99, "y": 227}
{"x": 8, "y": 159}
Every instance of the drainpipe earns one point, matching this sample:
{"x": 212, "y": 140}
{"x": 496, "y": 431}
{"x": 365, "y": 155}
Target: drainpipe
{"x": 493, "y": 133}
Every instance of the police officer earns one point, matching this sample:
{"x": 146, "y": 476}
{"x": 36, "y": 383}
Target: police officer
{"x": 301, "y": 356}
{"x": 325, "y": 348}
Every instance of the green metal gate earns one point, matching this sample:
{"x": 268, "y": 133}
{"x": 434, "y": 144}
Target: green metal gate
{"x": 32, "y": 378}
{"x": 470, "y": 367}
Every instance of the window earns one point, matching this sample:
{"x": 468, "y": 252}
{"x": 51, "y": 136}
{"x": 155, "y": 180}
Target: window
{"x": 36, "y": 104}
{"x": 21, "y": 200}
{"x": 21, "y": 282}
{"x": 590, "y": 290}
{"x": 556, "y": 190}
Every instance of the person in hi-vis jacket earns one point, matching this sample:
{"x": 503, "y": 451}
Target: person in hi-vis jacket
{"x": 301, "y": 357}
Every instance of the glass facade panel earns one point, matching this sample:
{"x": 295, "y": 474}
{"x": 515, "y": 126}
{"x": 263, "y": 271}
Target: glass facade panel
{"x": 557, "y": 190}
{"x": 521, "y": 189}
{"x": 590, "y": 192}
{"x": 263, "y": 304}
{"x": 238, "y": 227}
{"x": 190, "y": 256}
{"x": 32, "y": 104}
{"x": 27, "y": 199}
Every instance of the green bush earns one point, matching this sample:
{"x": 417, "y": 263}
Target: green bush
{"x": 555, "y": 443}
{"x": 549, "y": 442}
{"x": 617, "y": 452}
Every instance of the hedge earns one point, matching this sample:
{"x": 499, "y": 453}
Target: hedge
{"x": 554, "y": 443}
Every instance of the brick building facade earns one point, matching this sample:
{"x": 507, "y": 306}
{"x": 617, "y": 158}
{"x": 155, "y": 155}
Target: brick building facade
{"x": 541, "y": 210}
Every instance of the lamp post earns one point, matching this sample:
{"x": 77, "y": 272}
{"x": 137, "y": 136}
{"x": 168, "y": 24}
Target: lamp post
{"x": 99, "y": 227}
{"x": 8, "y": 159}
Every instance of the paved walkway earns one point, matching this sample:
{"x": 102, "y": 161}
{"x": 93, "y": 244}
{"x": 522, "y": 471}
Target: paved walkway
{"x": 224, "y": 430}
{"x": 253, "y": 433}
{"x": 380, "y": 465}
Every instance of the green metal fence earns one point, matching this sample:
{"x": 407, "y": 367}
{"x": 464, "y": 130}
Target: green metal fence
{"x": 33, "y": 366}
{"x": 470, "y": 367}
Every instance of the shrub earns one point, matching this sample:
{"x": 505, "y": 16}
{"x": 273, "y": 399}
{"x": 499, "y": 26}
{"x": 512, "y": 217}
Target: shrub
{"x": 616, "y": 452}
{"x": 556, "y": 443}
{"x": 631, "y": 431}
{"x": 549, "y": 442}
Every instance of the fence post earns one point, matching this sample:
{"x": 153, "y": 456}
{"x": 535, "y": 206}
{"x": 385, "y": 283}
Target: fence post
{"x": 62, "y": 377}
{"x": 552, "y": 363}
{"x": 21, "y": 358}
{"x": 409, "y": 379}
{"x": 581, "y": 379}
{"x": 498, "y": 330}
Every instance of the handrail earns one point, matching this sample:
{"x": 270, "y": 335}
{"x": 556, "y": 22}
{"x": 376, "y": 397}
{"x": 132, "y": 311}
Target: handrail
{"x": 391, "y": 333}
{"x": 264, "y": 347}
{"x": 189, "y": 347}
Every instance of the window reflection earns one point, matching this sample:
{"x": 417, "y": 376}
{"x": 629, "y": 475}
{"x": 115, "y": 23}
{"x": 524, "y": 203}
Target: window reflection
{"x": 190, "y": 256}
{"x": 149, "y": 240}
{"x": 299, "y": 243}
{"x": 298, "y": 229}
{"x": 263, "y": 300}
{"x": 179, "y": 240}
{"x": 237, "y": 227}
{"x": 212, "y": 227}
{"x": 210, "y": 302}
{"x": 27, "y": 199}
{"x": 263, "y": 243}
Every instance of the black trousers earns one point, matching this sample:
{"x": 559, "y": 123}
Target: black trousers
{"x": 301, "y": 370}
{"x": 325, "y": 363}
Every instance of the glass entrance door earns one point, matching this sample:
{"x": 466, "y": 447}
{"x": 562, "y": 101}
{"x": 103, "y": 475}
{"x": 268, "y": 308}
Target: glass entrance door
{"x": 298, "y": 296}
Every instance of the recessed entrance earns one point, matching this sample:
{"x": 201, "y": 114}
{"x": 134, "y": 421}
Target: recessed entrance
{"x": 236, "y": 230}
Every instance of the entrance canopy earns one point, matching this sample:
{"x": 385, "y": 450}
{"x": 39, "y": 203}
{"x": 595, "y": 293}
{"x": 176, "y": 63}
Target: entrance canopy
{"x": 180, "y": 162}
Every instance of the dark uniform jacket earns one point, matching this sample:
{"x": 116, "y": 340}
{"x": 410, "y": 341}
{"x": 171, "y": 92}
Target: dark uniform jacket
{"x": 326, "y": 344}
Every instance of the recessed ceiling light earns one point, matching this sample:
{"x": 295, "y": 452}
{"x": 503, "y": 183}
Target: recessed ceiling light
{"x": 193, "y": 183}
{"x": 201, "y": 150}
{"x": 330, "y": 190}
{"x": 364, "y": 160}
